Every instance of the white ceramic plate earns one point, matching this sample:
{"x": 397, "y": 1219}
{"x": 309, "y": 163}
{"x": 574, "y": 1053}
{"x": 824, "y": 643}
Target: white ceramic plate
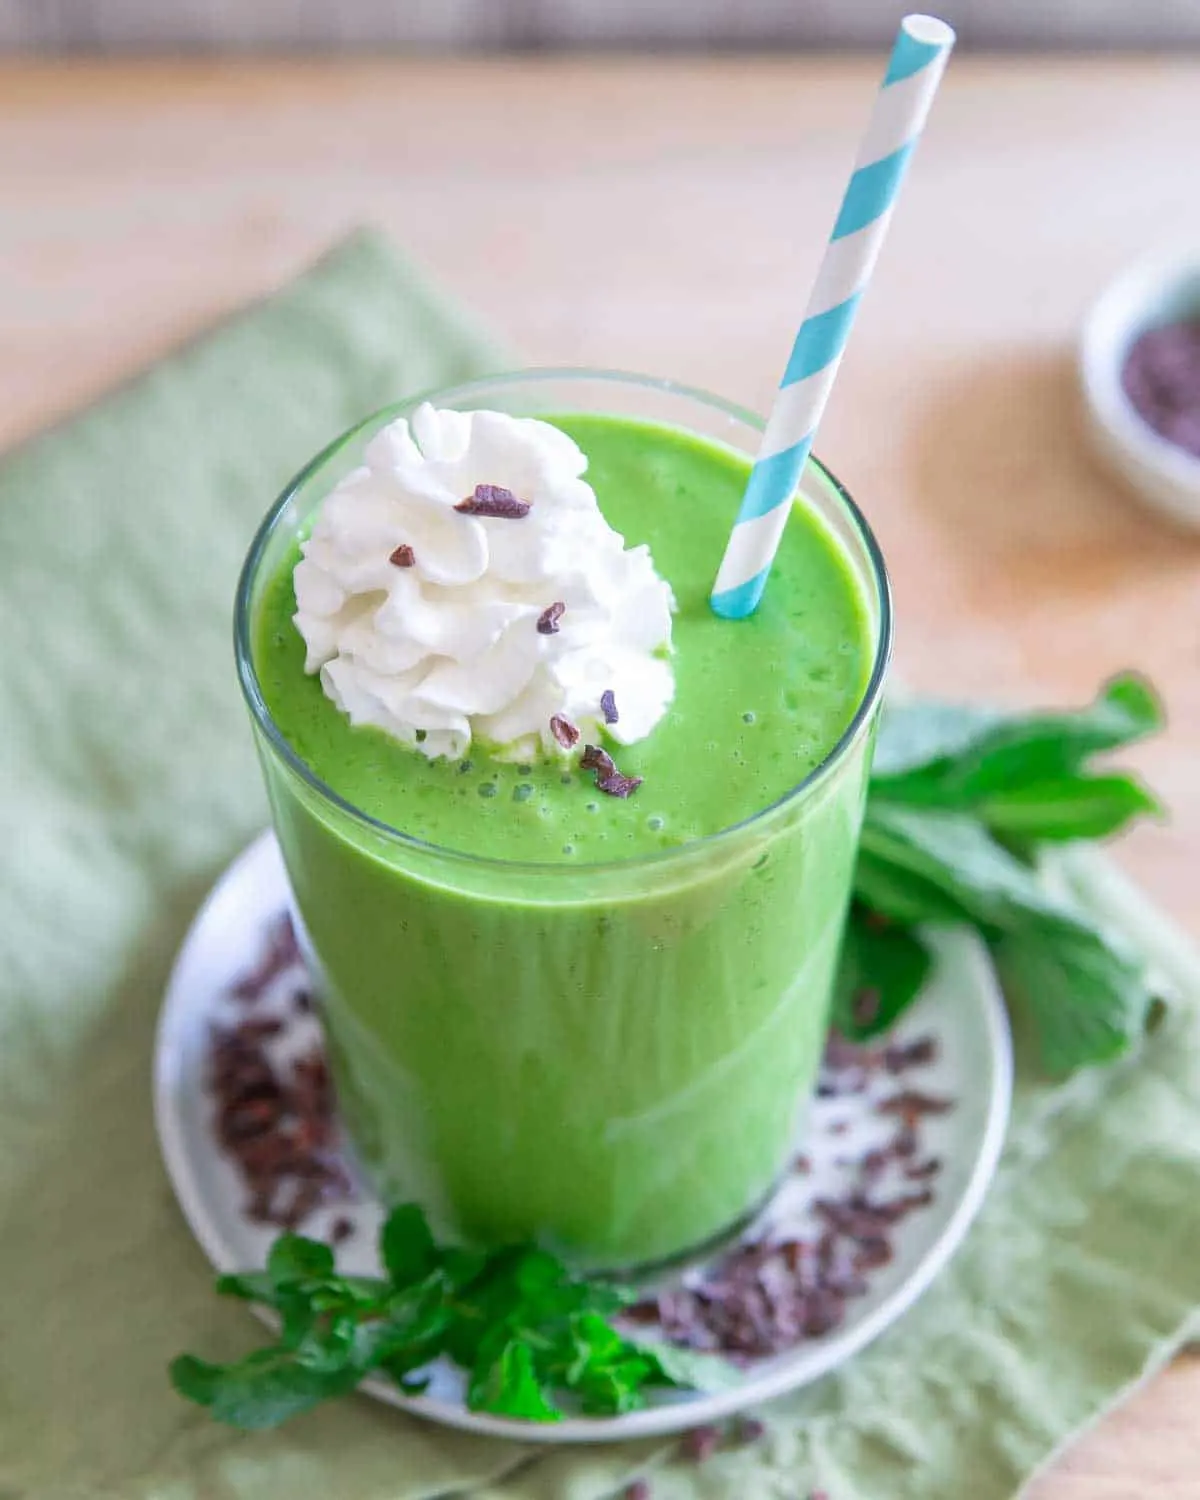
{"x": 962, "y": 1008}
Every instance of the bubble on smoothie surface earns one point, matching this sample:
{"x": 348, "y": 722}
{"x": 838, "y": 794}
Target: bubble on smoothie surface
{"x": 463, "y": 584}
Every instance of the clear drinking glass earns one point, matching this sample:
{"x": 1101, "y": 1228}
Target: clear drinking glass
{"x": 610, "y": 1059}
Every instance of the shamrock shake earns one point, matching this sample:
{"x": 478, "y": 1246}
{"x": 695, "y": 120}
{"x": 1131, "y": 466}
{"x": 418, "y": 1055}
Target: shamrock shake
{"x": 572, "y": 854}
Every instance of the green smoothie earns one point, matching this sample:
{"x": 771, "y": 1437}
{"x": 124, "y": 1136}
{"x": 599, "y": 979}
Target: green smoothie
{"x": 571, "y": 1017}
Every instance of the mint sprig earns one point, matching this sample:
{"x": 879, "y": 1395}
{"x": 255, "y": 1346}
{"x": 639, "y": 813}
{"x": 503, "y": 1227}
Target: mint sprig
{"x": 531, "y": 1336}
{"x": 962, "y": 805}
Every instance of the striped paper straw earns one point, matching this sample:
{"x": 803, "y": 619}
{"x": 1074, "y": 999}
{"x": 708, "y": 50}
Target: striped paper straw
{"x": 914, "y": 72}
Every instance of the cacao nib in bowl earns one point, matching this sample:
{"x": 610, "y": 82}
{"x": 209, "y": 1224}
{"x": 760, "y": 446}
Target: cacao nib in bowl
{"x": 1140, "y": 370}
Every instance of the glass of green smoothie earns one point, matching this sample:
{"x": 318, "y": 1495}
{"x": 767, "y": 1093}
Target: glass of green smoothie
{"x": 560, "y": 1006}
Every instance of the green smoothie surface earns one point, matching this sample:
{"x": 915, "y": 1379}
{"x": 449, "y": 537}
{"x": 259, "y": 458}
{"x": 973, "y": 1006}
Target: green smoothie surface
{"x": 758, "y": 704}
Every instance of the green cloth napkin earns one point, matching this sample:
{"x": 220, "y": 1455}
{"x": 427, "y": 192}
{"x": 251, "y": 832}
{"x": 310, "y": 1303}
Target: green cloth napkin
{"x": 127, "y": 781}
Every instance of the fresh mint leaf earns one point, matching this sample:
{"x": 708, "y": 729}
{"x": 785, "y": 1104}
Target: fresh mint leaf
{"x": 1080, "y": 997}
{"x": 896, "y": 892}
{"x": 267, "y": 1390}
{"x": 486, "y": 1304}
{"x": 937, "y": 755}
{"x": 594, "y": 1343}
{"x": 509, "y": 1386}
{"x": 1085, "y": 1001}
{"x": 606, "y": 1371}
{"x": 406, "y": 1246}
{"x": 261, "y": 1391}
{"x": 611, "y": 1389}
{"x": 915, "y": 736}
{"x": 400, "y": 1339}
{"x": 691, "y": 1370}
{"x": 196, "y": 1379}
{"x": 460, "y": 1267}
{"x": 298, "y": 1317}
{"x": 955, "y": 855}
{"x": 330, "y": 1346}
{"x": 1088, "y": 807}
{"x": 348, "y": 1291}
{"x": 880, "y": 959}
{"x": 537, "y": 1275}
{"x": 249, "y": 1286}
{"x": 293, "y": 1259}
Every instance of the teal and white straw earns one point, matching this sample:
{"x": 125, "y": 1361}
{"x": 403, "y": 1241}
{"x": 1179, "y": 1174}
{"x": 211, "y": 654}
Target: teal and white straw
{"x": 914, "y": 72}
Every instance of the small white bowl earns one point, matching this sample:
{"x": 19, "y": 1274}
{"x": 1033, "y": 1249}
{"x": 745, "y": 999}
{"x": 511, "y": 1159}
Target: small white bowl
{"x": 1152, "y": 292}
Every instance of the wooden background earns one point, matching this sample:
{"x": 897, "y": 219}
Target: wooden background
{"x": 220, "y": 25}
{"x": 667, "y": 216}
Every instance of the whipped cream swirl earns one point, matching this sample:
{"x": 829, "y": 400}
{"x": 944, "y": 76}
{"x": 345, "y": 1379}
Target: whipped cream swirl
{"x": 423, "y": 619}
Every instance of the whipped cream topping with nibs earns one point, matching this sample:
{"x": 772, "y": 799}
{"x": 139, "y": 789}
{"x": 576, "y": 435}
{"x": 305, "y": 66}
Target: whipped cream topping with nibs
{"x": 463, "y": 584}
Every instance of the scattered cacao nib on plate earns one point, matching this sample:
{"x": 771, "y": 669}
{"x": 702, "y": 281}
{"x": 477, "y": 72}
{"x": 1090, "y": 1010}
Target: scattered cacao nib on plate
{"x": 899, "y": 1057}
{"x": 910, "y": 1105}
{"x": 277, "y": 1125}
{"x": 843, "y": 1056}
{"x": 493, "y": 500}
{"x": 403, "y": 557}
{"x": 608, "y": 706}
{"x": 873, "y": 1251}
{"x": 280, "y": 952}
{"x": 904, "y": 1143}
{"x": 275, "y": 1119}
{"x": 748, "y": 1430}
{"x": 699, "y": 1445}
{"x": 547, "y": 621}
{"x": 341, "y": 1230}
{"x": 847, "y": 1067}
{"x": 564, "y": 731}
{"x": 765, "y": 1296}
{"x": 254, "y": 1031}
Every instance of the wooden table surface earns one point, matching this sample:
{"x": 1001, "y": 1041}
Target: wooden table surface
{"x": 666, "y": 216}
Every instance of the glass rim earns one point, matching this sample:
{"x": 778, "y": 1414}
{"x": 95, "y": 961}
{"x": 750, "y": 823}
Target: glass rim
{"x": 820, "y": 773}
